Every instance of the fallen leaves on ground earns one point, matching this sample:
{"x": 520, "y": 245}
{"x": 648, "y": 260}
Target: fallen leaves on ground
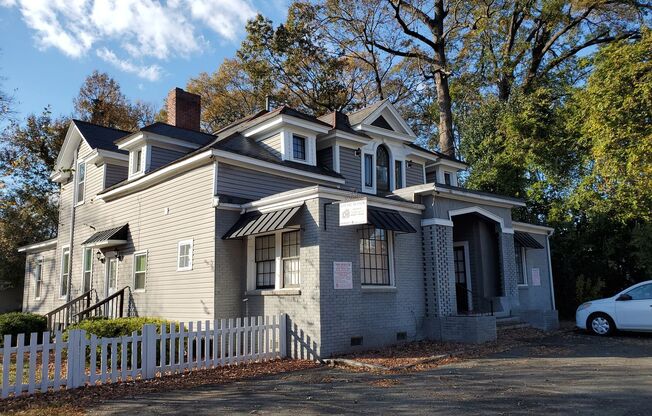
{"x": 385, "y": 382}
{"x": 59, "y": 403}
{"x": 419, "y": 355}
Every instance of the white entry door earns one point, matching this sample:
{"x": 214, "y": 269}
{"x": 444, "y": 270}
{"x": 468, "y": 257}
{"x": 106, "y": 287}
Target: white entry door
{"x": 635, "y": 313}
{"x": 112, "y": 276}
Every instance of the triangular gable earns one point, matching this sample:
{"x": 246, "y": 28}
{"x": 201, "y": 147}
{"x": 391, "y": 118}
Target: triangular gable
{"x": 383, "y": 116}
{"x": 68, "y": 148}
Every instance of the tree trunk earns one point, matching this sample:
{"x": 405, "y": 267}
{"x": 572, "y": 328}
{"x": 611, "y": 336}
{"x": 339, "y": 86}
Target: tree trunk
{"x": 446, "y": 143}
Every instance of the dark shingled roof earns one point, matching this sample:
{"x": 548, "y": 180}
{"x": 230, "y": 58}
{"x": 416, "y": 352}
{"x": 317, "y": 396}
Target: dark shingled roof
{"x": 169, "y": 130}
{"x": 99, "y": 137}
{"x": 246, "y": 146}
{"x": 356, "y": 117}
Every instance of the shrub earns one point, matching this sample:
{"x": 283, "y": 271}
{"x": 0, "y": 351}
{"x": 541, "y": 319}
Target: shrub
{"x": 111, "y": 328}
{"x": 15, "y": 323}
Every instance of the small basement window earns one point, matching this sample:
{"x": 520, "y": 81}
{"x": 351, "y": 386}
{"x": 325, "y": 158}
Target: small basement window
{"x": 356, "y": 341}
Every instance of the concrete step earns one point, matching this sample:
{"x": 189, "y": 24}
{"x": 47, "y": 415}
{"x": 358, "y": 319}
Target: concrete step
{"x": 511, "y": 322}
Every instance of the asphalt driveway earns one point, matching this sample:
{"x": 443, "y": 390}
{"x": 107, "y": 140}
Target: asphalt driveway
{"x": 568, "y": 373}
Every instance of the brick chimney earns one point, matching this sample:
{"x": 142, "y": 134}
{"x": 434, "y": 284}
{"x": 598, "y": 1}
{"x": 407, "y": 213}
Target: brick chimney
{"x": 184, "y": 109}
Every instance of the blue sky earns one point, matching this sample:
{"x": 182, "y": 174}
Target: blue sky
{"x": 48, "y": 47}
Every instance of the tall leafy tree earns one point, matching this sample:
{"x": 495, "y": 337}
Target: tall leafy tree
{"x": 101, "y": 101}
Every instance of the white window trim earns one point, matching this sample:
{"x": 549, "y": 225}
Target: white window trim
{"x": 143, "y": 161}
{"x": 278, "y": 258}
{"x": 81, "y": 285}
{"x": 189, "y": 242}
{"x": 133, "y": 269}
{"x": 287, "y": 148}
{"x": 63, "y": 250}
{"x": 76, "y": 191}
{"x": 38, "y": 259}
{"x": 403, "y": 175}
{"x": 365, "y": 188}
{"x": 524, "y": 267}
{"x": 391, "y": 259}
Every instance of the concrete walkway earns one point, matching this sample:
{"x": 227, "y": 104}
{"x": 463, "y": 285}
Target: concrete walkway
{"x": 564, "y": 374}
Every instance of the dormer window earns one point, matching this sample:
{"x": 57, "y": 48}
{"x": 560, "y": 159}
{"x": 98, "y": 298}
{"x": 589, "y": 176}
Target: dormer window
{"x": 137, "y": 161}
{"x": 448, "y": 178}
{"x": 298, "y": 147}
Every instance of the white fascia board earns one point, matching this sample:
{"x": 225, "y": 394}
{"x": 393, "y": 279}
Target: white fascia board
{"x": 440, "y": 161}
{"x": 268, "y": 167}
{"x": 390, "y": 107}
{"x": 101, "y": 156}
{"x": 142, "y": 138}
{"x": 368, "y": 128}
{"x": 299, "y": 196}
{"x": 532, "y": 228}
{"x": 36, "y": 247}
{"x": 459, "y": 195}
{"x": 280, "y": 120}
{"x": 156, "y": 176}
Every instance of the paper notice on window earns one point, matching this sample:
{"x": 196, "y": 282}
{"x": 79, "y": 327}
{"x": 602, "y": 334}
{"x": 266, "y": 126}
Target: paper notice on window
{"x": 343, "y": 274}
{"x": 536, "y": 277}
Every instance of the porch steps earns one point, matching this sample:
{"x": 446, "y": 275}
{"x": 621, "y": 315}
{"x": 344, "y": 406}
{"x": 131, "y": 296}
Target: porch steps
{"x": 510, "y": 322}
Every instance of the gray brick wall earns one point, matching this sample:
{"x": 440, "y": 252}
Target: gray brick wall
{"x": 438, "y": 270}
{"x": 508, "y": 268}
{"x": 377, "y": 315}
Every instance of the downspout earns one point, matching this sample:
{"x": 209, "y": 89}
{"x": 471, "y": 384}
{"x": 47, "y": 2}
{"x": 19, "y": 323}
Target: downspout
{"x": 552, "y": 286}
{"x": 72, "y": 230}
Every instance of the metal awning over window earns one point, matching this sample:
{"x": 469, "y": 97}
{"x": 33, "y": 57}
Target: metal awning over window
{"x": 388, "y": 220}
{"x": 257, "y": 223}
{"x": 526, "y": 240}
{"x": 108, "y": 238}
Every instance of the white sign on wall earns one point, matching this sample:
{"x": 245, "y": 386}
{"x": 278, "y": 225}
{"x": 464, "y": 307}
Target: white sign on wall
{"x": 343, "y": 274}
{"x": 536, "y": 277}
{"x": 353, "y": 212}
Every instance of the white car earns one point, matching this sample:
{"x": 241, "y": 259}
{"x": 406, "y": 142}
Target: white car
{"x": 629, "y": 310}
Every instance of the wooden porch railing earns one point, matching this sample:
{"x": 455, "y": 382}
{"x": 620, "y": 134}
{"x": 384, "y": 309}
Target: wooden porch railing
{"x": 63, "y": 316}
{"x": 110, "y": 307}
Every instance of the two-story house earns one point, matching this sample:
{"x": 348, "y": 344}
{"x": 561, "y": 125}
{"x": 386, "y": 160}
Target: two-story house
{"x": 254, "y": 220}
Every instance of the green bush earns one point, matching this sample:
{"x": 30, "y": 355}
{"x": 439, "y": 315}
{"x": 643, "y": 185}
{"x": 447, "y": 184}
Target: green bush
{"x": 111, "y": 328}
{"x": 15, "y": 323}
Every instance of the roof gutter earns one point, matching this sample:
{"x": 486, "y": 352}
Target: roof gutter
{"x": 36, "y": 247}
{"x": 460, "y": 194}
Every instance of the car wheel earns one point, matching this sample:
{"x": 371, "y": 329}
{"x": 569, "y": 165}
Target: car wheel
{"x": 601, "y": 324}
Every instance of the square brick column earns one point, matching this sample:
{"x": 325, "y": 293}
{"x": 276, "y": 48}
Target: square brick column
{"x": 439, "y": 271}
{"x": 508, "y": 269}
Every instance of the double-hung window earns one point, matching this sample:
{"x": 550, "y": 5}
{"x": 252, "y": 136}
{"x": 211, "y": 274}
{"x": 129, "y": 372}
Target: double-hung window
{"x": 368, "y": 170}
{"x": 290, "y": 258}
{"x": 375, "y": 257}
{"x": 81, "y": 180}
{"x": 87, "y": 269}
{"x": 398, "y": 174}
{"x": 298, "y": 147}
{"x": 137, "y": 161}
{"x": 275, "y": 260}
{"x": 184, "y": 257}
{"x": 266, "y": 262}
{"x": 38, "y": 277}
{"x": 65, "y": 272}
{"x": 519, "y": 256}
{"x": 140, "y": 270}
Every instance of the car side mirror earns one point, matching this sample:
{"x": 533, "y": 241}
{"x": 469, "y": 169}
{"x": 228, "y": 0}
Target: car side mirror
{"x": 624, "y": 296}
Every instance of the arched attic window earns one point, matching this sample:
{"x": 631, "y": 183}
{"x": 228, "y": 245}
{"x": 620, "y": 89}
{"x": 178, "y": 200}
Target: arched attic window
{"x": 382, "y": 169}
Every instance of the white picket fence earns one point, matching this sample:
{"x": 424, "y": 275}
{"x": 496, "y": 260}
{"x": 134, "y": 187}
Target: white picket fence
{"x": 154, "y": 352}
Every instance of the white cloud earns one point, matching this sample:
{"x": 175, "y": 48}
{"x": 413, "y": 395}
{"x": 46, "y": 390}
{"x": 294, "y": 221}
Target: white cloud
{"x": 148, "y": 72}
{"x": 144, "y": 29}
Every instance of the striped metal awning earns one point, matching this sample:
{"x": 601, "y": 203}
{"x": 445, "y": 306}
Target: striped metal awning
{"x": 108, "y": 238}
{"x": 257, "y": 223}
{"x": 388, "y": 220}
{"x": 526, "y": 240}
